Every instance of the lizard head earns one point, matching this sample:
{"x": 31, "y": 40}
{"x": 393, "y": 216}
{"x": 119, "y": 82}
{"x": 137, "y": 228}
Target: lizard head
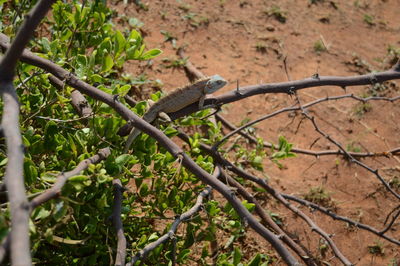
{"x": 215, "y": 83}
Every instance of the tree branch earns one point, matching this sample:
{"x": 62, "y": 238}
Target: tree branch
{"x": 116, "y": 218}
{"x": 20, "y": 246}
{"x": 351, "y": 158}
{"x": 291, "y": 87}
{"x": 78, "y": 101}
{"x": 295, "y": 108}
{"x": 266, "y": 144}
{"x": 340, "y": 218}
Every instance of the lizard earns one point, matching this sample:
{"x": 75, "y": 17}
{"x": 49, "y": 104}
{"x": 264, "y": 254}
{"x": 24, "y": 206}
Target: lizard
{"x": 178, "y": 99}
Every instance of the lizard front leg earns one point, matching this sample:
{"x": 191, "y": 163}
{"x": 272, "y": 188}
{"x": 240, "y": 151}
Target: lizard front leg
{"x": 201, "y": 103}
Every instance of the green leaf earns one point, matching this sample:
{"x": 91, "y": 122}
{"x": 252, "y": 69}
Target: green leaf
{"x": 72, "y": 145}
{"x": 66, "y": 34}
{"x": 40, "y": 213}
{"x": 78, "y": 178}
{"x": 30, "y": 171}
{"x": 183, "y": 255}
{"x": 96, "y": 78}
{"x": 150, "y": 54}
{"x": 4, "y": 162}
{"x": 49, "y": 177}
{"x": 152, "y": 237}
{"x": 102, "y": 202}
{"x": 119, "y": 42}
{"x": 249, "y": 206}
{"x": 60, "y": 211}
{"x": 108, "y": 63}
{"x": 237, "y": 256}
{"x": 135, "y": 36}
{"x": 45, "y": 44}
{"x": 255, "y": 261}
{"x": 131, "y": 53}
{"x": 122, "y": 91}
{"x": 50, "y": 133}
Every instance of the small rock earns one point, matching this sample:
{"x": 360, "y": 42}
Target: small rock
{"x": 270, "y": 28}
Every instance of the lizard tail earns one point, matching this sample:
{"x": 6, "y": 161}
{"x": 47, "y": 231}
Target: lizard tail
{"x": 131, "y": 138}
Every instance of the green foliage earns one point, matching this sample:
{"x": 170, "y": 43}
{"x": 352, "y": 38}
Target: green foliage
{"x": 353, "y": 147}
{"x": 369, "y": 19}
{"x": 196, "y": 20}
{"x": 82, "y": 39}
{"x": 277, "y": 13}
{"x": 261, "y": 47}
{"x": 169, "y": 37}
{"x": 376, "y": 249}
{"x": 76, "y": 227}
{"x": 174, "y": 62}
{"x": 319, "y": 47}
{"x": 320, "y": 196}
{"x": 283, "y": 151}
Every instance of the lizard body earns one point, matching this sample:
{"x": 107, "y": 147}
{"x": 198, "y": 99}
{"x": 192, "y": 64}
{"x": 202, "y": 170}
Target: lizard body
{"x": 178, "y": 99}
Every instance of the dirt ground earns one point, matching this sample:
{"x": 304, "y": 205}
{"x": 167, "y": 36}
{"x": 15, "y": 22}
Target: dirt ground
{"x": 247, "y": 41}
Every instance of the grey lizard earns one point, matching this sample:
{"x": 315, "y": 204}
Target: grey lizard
{"x": 178, "y": 99}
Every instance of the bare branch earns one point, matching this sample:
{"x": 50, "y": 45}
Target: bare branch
{"x": 340, "y": 218}
{"x": 396, "y": 67}
{"x": 20, "y": 247}
{"x": 116, "y": 218}
{"x": 266, "y": 144}
{"x": 351, "y": 158}
{"x": 78, "y": 101}
{"x": 290, "y": 87}
{"x": 308, "y": 220}
{"x": 294, "y": 108}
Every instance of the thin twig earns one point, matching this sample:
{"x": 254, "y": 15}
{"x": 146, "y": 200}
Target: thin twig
{"x": 171, "y": 232}
{"x": 335, "y": 216}
{"x": 351, "y": 158}
{"x": 254, "y": 140}
{"x": 295, "y": 108}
